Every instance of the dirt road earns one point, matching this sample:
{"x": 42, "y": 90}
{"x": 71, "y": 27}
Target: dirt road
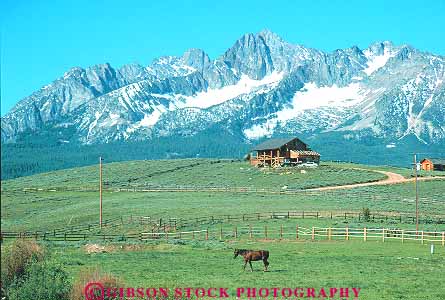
{"x": 392, "y": 178}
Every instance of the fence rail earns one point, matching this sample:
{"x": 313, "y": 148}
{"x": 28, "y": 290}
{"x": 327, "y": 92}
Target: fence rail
{"x": 76, "y": 237}
{"x": 160, "y": 226}
{"x": 216, "y": 219}
{"x": 249, "y": 232}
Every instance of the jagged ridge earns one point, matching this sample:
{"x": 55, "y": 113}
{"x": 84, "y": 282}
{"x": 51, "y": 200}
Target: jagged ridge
{"x": 260, "y": 86}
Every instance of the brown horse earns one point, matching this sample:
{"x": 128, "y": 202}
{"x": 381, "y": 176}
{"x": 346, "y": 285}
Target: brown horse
{"x": 252, "y": 255}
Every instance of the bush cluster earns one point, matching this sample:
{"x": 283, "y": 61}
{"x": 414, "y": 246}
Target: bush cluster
{"x": 27, "y": 273}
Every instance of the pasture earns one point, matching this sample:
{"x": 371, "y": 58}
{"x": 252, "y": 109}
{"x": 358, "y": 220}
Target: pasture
{"x": 69, "y": 198}
{"x": 382, "y": 270}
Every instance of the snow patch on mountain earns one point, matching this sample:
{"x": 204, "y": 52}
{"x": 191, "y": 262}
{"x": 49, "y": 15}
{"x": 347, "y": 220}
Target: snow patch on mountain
{"x": 245, "y": 85}
{"x": 94, "y": 123}
{"x": 150, "y": 120}
{"x": 378, "y": 61}
{"x": 258, "y": 131}
{"x": 331, "y": 101}
{"x": 312, "y": 96}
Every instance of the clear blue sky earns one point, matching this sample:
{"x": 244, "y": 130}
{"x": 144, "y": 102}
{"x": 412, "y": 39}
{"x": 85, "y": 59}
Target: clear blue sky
{"x": 42, "y": 39}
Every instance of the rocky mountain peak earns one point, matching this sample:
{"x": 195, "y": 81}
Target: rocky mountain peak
{"x": 197, "y": 59}
{"x": 260, "y": 86}
{"x": 270, "y": 37}
{"x": 250, "y": 55}
{"x": 379, "y": 48}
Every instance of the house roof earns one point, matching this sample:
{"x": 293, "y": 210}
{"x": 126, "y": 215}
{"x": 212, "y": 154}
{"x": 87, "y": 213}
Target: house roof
{"x": 436, "y": 161}
{"x": 273, "y": 144}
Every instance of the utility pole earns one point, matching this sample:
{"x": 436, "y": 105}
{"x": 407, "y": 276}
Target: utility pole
{"x": 100, "y": 191}
{"x": 417, "y": 194}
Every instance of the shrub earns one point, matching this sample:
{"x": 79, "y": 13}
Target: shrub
{"x": 15, "y": 261}
{"x": 366, "y": 214}
{"x": 41, "y": 282}
{"x": 88, "y": 275}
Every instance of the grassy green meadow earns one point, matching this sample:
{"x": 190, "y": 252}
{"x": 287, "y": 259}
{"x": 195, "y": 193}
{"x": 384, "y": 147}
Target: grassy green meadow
{"x": 382, "y": 270}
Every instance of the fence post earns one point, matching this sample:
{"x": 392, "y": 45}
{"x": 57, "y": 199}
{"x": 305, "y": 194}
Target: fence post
{"x": 313, "y": 232}
{"x": 347, "y": 233}
{"x": 403, "y": 236}
{"x": 236, "y": 233}
{"x": 193, "y": 234}
{"x": 443, "y": 238}
{"x": 207, "y": 234}
{"x": 281, "y": 231}
{"x": 288, "y": 214}
{"x": 220, "y": 233}
{"x": 331, "y": 214}
{"x": 329, "y": 233}
{"x": 303, "y": 214}
{"x": 422, "y": 238}
{"x": 364, "y": 234}
{"x": 383, "y": 234}
{"x": 296, "y": 231}
{"x": 265, "y": 231}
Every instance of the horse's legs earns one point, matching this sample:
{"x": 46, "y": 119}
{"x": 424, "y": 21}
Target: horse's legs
{"x": 245, "y": 263}
{"x": 250, "y": 263}
{"x": 266, "y": 264}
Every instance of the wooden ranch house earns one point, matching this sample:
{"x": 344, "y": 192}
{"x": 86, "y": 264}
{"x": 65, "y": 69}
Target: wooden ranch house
{"x": 430, "y": 164}
{"x": 282, "y": 152}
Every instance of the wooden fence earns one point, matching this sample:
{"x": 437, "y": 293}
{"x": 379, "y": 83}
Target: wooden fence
{"x": 339, "y": 233}
{"x": 80, "y": 229}
{"x": 76, "y": 237}
{"x": 217, "y": 219}
{"x": 248, "y": 232}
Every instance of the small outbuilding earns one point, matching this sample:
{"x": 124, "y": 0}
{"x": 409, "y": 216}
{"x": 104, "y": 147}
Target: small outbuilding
{"x": 282, "y": 151}
{"x": 430, "y": 164}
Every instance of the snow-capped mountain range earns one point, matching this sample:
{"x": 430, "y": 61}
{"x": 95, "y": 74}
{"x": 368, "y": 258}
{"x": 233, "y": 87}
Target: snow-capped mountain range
{"x": 261, "y": 86}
